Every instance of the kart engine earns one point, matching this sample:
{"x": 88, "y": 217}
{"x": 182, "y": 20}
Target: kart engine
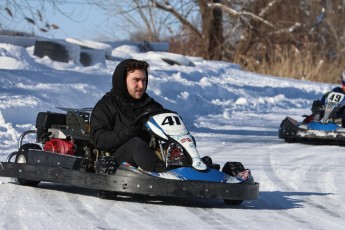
{"x": 64, "y": 133}
{"x": 56, "y": 145}
{"x": 175, "y": 154}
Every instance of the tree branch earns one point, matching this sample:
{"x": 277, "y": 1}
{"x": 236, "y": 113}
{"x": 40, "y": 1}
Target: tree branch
{"x": 235, "y": 13}
{"x": 182, "y": 19}
{"x": 269, "y": 7}
{"x": 290, "y": 29}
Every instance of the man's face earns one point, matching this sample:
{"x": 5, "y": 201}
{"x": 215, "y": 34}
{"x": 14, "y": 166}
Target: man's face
{"x": 136, "y": 83}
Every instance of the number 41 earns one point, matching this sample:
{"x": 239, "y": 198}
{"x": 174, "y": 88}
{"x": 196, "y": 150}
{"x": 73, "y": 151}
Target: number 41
{"x": 169, "y": 120}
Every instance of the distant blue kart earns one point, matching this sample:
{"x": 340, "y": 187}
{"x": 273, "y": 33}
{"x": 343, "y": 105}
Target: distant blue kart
{"x": 324, "y": 127}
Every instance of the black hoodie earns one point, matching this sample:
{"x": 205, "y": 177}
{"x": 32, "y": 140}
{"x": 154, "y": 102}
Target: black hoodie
{"x": 114, "y": 114}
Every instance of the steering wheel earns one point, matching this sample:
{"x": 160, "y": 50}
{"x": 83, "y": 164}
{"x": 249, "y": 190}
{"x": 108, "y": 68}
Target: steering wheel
{"x": 145, "y": 115}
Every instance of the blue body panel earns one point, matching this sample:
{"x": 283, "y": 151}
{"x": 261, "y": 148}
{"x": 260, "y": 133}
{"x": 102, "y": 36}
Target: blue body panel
{"x": 324, "y": 127}
{"x": 212, "y": 175}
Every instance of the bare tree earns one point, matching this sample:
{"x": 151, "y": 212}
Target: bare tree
{"x": 159, "y": 18}
{"x": 307, "y": 34}
{"x": 31, "y": 12}
{"x": 211, "y": 29}
{"x": 248, "y": 32}
{"x": 201, "y": 22}
{"x": 138, "y": 18}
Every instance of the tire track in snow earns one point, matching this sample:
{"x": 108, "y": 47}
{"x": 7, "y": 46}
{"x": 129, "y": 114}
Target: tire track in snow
{"x": 85, "y": 211}
{"x": 327, "y": 172}
{"x": 306, "y": 174}
{"x": 11, "y": 209}
{"x": 211, "y": 218}
{"x": 57, "y": 200}
{"x": 169, "y": 212}
{"x": 276, "y": 199}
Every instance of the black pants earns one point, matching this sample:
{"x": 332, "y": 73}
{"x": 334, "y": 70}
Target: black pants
{"x": 137, "y": 153}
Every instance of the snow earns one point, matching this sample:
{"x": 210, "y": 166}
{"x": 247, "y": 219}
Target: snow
{"x": 234, "y": 115}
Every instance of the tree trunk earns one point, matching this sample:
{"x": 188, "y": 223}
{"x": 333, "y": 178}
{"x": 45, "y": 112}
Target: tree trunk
{"x": 212, "y": 30}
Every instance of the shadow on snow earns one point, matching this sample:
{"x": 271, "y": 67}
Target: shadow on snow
{"x": 268, "y": 200}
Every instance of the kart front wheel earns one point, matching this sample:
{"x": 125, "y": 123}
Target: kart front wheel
{"x": 233, "y": 202}
{"x": 22, "y": 158}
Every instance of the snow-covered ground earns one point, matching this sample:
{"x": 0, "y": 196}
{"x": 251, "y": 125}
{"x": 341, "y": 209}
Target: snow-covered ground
{"x": 234, "y": 116}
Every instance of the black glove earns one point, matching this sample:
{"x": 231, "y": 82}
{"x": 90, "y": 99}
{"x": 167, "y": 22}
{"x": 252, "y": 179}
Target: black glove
{"x": 130, "y": 132}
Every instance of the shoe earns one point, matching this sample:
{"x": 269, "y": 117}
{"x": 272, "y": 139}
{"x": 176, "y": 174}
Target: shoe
{"x": 233, "y": 168}
{"x": 207, "y": 160}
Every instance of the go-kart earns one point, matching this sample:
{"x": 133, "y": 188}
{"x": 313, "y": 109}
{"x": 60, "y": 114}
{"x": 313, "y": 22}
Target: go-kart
{"x": 64, "y": 153}
{"x": 324, "y": 126}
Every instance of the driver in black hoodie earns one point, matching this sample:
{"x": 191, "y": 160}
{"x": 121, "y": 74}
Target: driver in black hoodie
{"x": 112, "y": 118}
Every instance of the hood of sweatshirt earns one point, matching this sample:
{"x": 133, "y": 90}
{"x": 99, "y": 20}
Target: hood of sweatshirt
{"x": 119, "y": 82}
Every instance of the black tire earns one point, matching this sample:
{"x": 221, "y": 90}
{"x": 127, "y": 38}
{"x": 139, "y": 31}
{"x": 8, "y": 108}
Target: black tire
{"x": 85, "y": 59}
{"x": 55, "y": 51}
{"x": 233, "y": 202}
{"x": 170, "y": 62}
{"x": 289, "y": 140}
{"x": 106, "y": 195}
{"x": 22, "y": 158}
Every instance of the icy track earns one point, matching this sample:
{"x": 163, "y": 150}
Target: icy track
{"x": 233, "y": 115}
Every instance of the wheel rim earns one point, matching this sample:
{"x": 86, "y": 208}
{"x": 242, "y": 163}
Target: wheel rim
{"x": 21, "y": 159}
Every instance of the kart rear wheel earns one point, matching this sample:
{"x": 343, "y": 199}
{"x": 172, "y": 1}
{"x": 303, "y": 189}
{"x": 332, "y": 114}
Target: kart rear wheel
{"x": 233, "y": 202}
{"x": 106, "y": 195}
{"x": 290, "y": 140}
{"x": 22, "y": 158}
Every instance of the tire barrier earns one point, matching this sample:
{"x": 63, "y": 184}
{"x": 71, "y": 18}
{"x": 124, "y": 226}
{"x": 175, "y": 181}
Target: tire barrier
{"x": 55, "y": 51}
